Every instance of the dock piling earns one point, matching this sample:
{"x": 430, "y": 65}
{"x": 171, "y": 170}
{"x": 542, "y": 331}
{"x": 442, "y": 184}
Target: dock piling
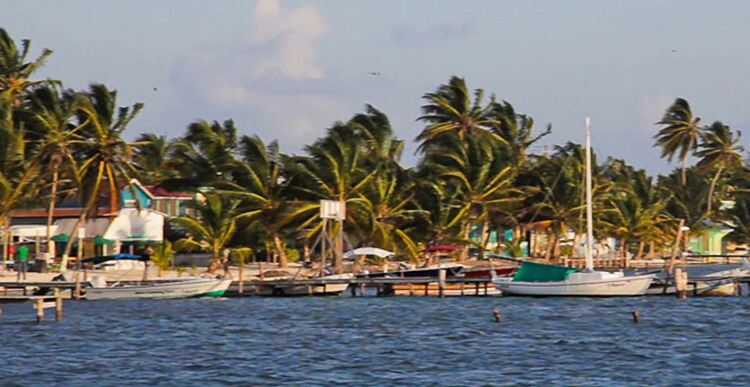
{"x": 636, "y": 316}
{"x": 39, "y": 305}
{"x": 496, "y": 313}
{"x": 441, "y": 283}
{"x": 58, "y": 305}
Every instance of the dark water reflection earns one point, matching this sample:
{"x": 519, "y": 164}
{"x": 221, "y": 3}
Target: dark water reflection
{"x": 381, "y": 341}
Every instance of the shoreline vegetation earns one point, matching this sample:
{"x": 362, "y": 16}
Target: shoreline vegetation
{"x": 475, "y": 175}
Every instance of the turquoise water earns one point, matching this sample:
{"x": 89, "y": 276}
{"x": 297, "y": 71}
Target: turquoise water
{"x": 381, "y": 341}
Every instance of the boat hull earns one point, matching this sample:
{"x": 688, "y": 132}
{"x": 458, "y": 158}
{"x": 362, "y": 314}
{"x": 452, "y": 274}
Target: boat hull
{"x": 203, "y": 287}
{"x": 613, "y": 287}
{"x": 318, "y": 290}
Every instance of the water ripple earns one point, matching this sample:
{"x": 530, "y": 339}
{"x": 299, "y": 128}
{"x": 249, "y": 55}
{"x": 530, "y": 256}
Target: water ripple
{"x": 381, "y": 341}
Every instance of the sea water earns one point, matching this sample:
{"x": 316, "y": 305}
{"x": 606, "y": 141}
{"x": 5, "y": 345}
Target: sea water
{"x": 380, "y": 341}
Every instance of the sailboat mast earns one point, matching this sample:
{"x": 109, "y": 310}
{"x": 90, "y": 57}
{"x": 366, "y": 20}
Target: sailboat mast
{"x": 589, "y": 209}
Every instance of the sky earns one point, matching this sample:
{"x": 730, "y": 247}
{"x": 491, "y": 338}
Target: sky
{"x": 287, "y": 70}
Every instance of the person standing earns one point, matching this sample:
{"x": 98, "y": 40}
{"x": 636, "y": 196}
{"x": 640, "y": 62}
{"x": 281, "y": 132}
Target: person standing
{"x": 23, "y": 262}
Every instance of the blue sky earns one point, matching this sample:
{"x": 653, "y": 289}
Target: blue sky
{"x": 288, "y": 69}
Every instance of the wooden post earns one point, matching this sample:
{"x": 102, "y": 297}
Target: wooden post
{"x": 441, "y": 283}
{"x": 353, "y": 289}
{"x": 260, "y": 270}
{"x": 680, "y": 283}
{"x": 241, "y": 285}
{"x": 411, "y": 289}
{"x": 362, "y": 290}
{"x": 309, "y": 290}
{"x": 426, "y": 288}
{"x": 485, "y": 288}
{"x": 676, "y": 247}
{"x": 462, "y": 288}
{"x": 58, "y": 305}
{"x": 476, "y": 288}
{"x": 39, "y": 309}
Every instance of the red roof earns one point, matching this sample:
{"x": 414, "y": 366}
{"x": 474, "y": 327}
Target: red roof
{"x": 434, "y": 248}
{"x": 161, "y": 192}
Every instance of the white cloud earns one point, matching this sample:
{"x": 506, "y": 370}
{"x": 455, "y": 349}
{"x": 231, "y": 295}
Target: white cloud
{"x": 293, "y": 35}
{"x": 270, "y": 83}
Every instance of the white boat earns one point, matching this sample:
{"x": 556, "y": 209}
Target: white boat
{"x": 723, "y": 285}
{"x": 565, "y": 282}
{"x": 189, "y": 287}
{"x": 579, "y": 284}
{"x": 282, "y": 287}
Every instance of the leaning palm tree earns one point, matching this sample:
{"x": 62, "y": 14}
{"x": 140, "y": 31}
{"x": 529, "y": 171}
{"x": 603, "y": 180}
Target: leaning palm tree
{"x": 335, "y": 170}
{"x": 477, "y": 172}
{"x": 105, "y": 157}
{"x": 679, "y": 134}
{"x": 50, "y": 115}
{"x": 720, "y": 151}
{"x": 19, "y": 173}
{"x": 259, "y": 184}
{"x": 15, "y": 71}
{"x": 212, "y": 228}
{"x": 387, "y": 212}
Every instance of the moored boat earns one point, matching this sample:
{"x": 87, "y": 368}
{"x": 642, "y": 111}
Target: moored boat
{"x": 283, "y": 287}
{"x": 536, "y": 279}
{"x": 190, "y": 287}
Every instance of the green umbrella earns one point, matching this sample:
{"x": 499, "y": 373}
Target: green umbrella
{"x": 61, "y": 238}
{"x": 100, "y": 240}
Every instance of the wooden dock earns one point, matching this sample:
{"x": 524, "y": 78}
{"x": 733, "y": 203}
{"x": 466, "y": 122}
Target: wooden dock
{"x": 385, "y": 286}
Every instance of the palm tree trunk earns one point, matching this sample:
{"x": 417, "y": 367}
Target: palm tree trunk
{"x": 465, "y": 252}
{"x": 51, "y": 211}
{"x": 280, "y": 250}
{"x": 6, "y": 238}
{"x": 683, "y": 172}
{"x": 651, "y": 249}
{"x": 641, "y": 248}
{"x": 72, "y": 238}
{"x": 485, "y": 238}
{"x": 711, "y": 190}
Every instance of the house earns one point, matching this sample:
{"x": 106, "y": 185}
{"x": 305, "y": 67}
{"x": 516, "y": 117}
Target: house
{"x": 155, "y": 198}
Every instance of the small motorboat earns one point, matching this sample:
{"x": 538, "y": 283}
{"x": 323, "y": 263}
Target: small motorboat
{"x": 451, "y": 269}
{"x": 189, "y": 287}
{"x": 280, "y": 287}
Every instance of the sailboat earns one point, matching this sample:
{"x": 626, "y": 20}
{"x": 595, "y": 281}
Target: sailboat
{"x": 537, "y": 279}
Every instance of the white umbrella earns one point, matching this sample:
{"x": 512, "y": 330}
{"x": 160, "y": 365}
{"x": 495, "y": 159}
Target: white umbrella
{"x": 369, "y": 251}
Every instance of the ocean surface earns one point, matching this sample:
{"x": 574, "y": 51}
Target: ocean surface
{"x": 380, "y": 341}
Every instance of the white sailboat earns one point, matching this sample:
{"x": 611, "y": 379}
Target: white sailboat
{"x": 566, "y": 282}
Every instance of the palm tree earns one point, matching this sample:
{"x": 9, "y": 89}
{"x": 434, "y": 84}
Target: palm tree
{"x": 212, "y": 228}
{"x": 476, "y": 171}
{"x": 739, "y": 215}
{"x": 451, "y": 112}
{"x": 259, "y": 183}
{"x": 204, "y": 157}
{"x": 152, "y": 158}
{"x": 104, "y": 154}
{"x": 516, "y": 131}
{"x": 719, "y": 150}
{"x": 19, "y": 173}
{"x": 50, "y": 116}
{"x": 387, "y": 212}
{"x": 679, "y": 134}
{"x": 335, "y": 170}
{"x": 15, "y": 72}
{"x": 636, "y": 208}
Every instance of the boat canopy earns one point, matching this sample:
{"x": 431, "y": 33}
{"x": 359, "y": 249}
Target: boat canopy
{"x": 542, "y": 272}
{"x": 369, "y": 251}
